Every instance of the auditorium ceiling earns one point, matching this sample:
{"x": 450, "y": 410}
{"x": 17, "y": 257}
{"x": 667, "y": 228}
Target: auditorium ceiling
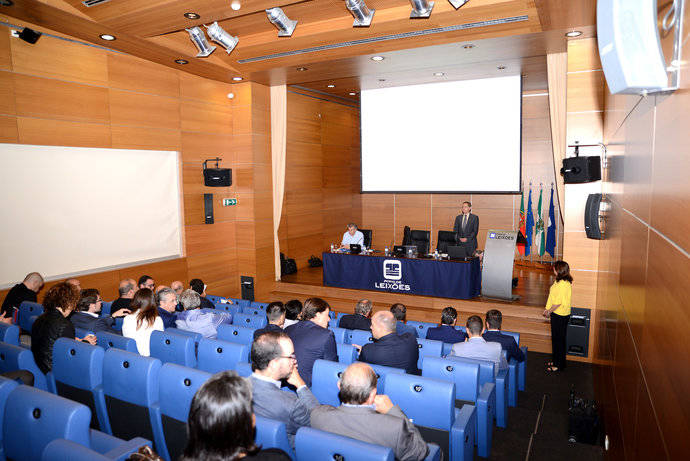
{"x": 480, "y": 39}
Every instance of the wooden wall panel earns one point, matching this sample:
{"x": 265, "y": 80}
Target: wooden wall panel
{"x": 137, "y": 137}
{"x": 8, "y": 129}
{"x": 207, "y": 118}
{"x": 7, "y": 105}
{"x": 134, "y": 74}
{"x": 139, "y": 109}
{"x": 43, "y": 131}
{"x": 5, "y": 53}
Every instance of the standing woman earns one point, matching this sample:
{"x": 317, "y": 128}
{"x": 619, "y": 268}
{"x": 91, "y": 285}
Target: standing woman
{"x": 143, "y": 320}
{"x": 558, "y": 310}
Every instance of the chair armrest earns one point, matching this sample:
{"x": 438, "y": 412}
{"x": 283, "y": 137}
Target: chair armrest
{"x": 434, "y": 452}
{"x": 521, "y": 370}
{"x": 122, "y": 452}
{"x": 486, "y": 411}
{"x": 502, "y": 398}
{"x": 463, "y": 434}
{"x": 102, "y": 442}
{"x": 512, "y": 382}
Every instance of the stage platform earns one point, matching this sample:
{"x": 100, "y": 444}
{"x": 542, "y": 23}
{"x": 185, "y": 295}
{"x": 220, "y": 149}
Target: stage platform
{"x": 523, "y": 315}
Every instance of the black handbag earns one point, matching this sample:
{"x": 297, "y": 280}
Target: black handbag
{"x": 315, "y": 262}
{"x": 287, "y": 266}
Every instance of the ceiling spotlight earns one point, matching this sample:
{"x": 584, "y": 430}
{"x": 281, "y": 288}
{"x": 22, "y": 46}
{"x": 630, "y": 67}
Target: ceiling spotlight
{"x": 382, "y": 80}
{"x": 421, "y": 9}
{"x": 573, "y": 33}
{"x": 330, "y": 86}
{"x": 231, "y": 95}
{"x": 301, "y": 69}
{"x": 468, "y": 46}
{"x": 361, "y": 12}
{"x": 28, "y": 35}
{"x": 235, "y": 5}
{"x": 439, "y": 74}
{"x": 237, "y": 79}
{"x": 191, "y": 16}
{"x": 285, "y": 25}
{"x": 377, "y": 58}
{"x": 219, "y": 35}
{"x": 501, "y": 67}
{"x": 181, "y": 61}
{"x": 457, "y": 3}
{"x": 196, "y": 35}
{"x": 352, "y": 93}
{"x": 107, "y": 37}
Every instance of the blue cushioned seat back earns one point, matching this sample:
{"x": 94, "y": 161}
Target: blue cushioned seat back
{"x": 244, "y": 369}
{"x": 312, "y": 444}
{"x": 346, "y": 353}
{"x": 105, "y": 308}
{"x": 192, "y": 334}
{"x": 486, "y": 370}
{"x": 33, "y": 418}
{"x": 81, "y": 333}
{"x": 514, "y": 334}
{"x": 421, "y": 327}
{"x": 241, "y": 302}
{"x": 324, "y": 384}
{"x": 381, "y": 372}
{"x": 13, "y": 358}
{"x": 272, "y": 434}
{"x": 214, "y": 298}
{"x": 235, "y": 333}
{"x": 428, "y": 402}
{"x": 66, "y": 450}
{"x": 339, "y": 315}
{"x": 249, "y": 320}
{"x": 359, "y": 337}
{"x": 27, "y": 310}
{"x": 332, "y": 323}
{"x": 107, "y": 340}
{"x": 6, "y": 387}
{"x": 230, "y": 308}
{"x": 465, "y": 375}
{"x": 249, "y": 310}
{"x": 461, "y": 328}
{"x": 341, "y": 334}
{"x": 259, "y": 305}
{"x": 9, "y": 334}
{"x": 428, "y": 347}
{"x": 333, "y": 315}
{"x": 172, "y": 347}
{"x": 216, "y": 355}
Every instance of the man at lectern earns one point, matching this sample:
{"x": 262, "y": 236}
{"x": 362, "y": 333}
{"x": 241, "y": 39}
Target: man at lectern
{"x": 352, "y": 236}
{"x": 466, "y": 228}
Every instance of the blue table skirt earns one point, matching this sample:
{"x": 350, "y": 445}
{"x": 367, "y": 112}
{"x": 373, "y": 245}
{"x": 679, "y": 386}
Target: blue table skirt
{"x": 428, "y": 277}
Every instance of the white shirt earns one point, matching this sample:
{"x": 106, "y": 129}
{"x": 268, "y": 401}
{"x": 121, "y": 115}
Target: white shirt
{"x": 142, "y": 336}
{"x": 357, "y": 239}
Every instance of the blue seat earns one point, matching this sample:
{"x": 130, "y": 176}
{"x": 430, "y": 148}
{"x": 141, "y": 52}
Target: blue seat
{"x": 253, "y": 311}
{"x": 105, "y": 308}
{"x": 27, "y": 311}
{"x": 359, "y": 337}
{"x": 324, "y": 384}
{"x": 244, "y": 369}
{"x": 333, "y": 323}
{"x": 6, "y": 387}
{"x": 430, "y": 403}
{"x": 428, "y": 347}
{"x": 13, "y": 358}
{"x": 250, "y": 321}
{"x": 81, "y": 332}
{"x": 242, "y": 302}
{"x": 130, "y": 384}
{"x": 172, "y": 347}
{"x": 9, "y": 334}
{"x": 216, "y": 355}
{"x": 77, "y": 375}
{"x": 259, "y": 305}
{"x": 236, "y": 334}
{"x": 66, "y": 450}
{"x": 520, "y": 366}
{"x": 313, "y": 444}
{"x": 461, "y": 328}
{"x": 107, "y": 340}
{"x": 465, "y": 376}
{"x": 215, "y": 299}
{"x": 346, "y": 353}
{"x": 232, "y": 309}
{"x": 421, "y": 327}
{"x": 272, "y": 434}
{"x": 333, "y": 315}
{"x": 339, "y": 315}
{"x": 192, "y": 334}
{"x": 381, "y": 372}
{"x": 487, "y": 374}
{"x": 177, "y": 386}
{"x": 341, "y": 334}
{"x": 447, "y": 347}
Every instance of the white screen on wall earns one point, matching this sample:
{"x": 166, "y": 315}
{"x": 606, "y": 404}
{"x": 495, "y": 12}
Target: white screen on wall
{"x": 461, "y": 136}
{"x": 71, "y": 210}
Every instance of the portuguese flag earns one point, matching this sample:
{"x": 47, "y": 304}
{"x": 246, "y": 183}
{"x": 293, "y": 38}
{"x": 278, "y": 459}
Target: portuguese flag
{"x": 521, "y": 228}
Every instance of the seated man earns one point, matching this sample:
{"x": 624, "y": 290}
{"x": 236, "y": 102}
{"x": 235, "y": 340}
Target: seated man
{"x": 311, "y": 337}
{"x": 200, "y": 287}
{"x": 146, "y": 281}
{"x": 275, "y": 314}
{"x": 167, "y": 302}
{"x": 400, "y": 312}
{"x": 293, "y": 312}
{"x": 352, "y": 236}
{"x": 86, "y": 315}
{"x": 389, "y": 348}
{"x": 273, "y": 359}
{"x": 25, "y": 291}
{"x": 360, "y": 319}
{"x": 447, "y": 332}
{"x": 477, "y": 348}
{"x": 364, "y": 415}
{"x": 194, "y": 319}
{"x": 126, "y": 290}
{"x": 494, "y": 319}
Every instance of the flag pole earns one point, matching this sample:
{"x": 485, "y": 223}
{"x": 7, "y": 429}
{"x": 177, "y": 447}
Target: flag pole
{"x": 555, "y": 250}
{"x": 541, "y": 255}
{"x": 531, "y": 254}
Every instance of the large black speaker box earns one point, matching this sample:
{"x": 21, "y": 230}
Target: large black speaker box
{"x": 217, "y": 177}
{"x": 581, "y": 169}
{"x": 592, "y": 225}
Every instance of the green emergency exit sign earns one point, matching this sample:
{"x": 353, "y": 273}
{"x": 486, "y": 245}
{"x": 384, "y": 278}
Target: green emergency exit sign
{"x": 229, "y": 201}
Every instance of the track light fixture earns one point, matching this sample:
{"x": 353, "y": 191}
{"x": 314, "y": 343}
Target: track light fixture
{"x": 457, "y": 3}
{"x": 220, "y": 36}
{"x": 361, "y": 12}
{"x": 197, "y": 37}
{"x": 421, "y": 9}
{"x": 285, "y": 25}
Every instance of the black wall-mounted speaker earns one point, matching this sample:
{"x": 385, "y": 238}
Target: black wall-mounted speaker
{"x": 592, "y": 211}
{"x": 208, "y": 208}
{"x": 581, "y": 169}
{"x": 217, "y": 177}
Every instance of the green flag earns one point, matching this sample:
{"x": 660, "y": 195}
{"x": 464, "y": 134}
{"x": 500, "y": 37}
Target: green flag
{"x": 540, "y": 235}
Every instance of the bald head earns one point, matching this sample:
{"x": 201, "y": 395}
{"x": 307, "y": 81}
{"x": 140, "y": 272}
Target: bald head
{"x": 357, "y": 384}
{"x": 127, "y": 288}
{"x": 74, "y": 282}
{"x": 33, "y": 281}
{"x": 382, "y": 324}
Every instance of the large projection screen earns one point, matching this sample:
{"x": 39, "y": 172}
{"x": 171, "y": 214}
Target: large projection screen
{"x": 69, "y": 210}
{"x": 450, "y": 137}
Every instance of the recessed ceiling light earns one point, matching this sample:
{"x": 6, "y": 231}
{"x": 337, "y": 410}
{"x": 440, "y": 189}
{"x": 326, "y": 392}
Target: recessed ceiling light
{"x": 181, "y": 61}
{"x": 301, "y": 69}
{"x": 439, "y": 74}
{"x": 237, "y": 79}
{"x": 330, "y": 86}
{"x": 377, "y": 58}
{"x": 501, "y": 67}
{"x": 382, "y": 80}
{"x": 352, "y": 93}
{"x": 469, "y": 46}
{"x": 191, "y": 16}
{"x": 573, "y": 33}
{"x": 107, "y": 37}
{"x": 235, "y": 5}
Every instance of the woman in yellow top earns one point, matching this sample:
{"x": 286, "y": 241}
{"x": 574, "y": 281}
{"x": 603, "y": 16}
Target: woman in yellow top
{"x": 558, "y": 310}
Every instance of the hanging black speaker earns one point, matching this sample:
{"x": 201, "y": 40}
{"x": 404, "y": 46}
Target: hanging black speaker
{"x": 592, "y": 212}
{"x": 581, "y": 169}
{"x": 217, "y": 177}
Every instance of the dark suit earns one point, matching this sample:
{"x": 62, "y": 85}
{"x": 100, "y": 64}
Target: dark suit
{"x": 93, "y": 324}
{"x": 311, "y": 342}
{"x": 168, "y": 318}
{"x": 268, "y": 327}
{"x": 392, "y": 350}
{"x": 355, "y": 322}
{"x": 401, "y": 328}
{"x": 469, "y": 232}
{"x": 206, "y": 304}
{"x": 120, "y": 303}
{"x": 507, "y": 342}
{"x": 446, "y": 333}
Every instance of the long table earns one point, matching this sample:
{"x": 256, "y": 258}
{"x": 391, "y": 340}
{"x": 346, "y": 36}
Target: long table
{"x": 429, "y": 277}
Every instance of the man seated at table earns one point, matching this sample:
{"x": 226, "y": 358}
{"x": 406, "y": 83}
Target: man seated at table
{"x": 360, "y": 319}
{"x": 352, "y": 236}
{"x": 446, "y": 332}
{"x": 389, "y": 348}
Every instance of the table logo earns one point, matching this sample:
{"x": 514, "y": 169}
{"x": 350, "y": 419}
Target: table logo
{"x": 501, "y": 236}
{"x": 392, "y": 269}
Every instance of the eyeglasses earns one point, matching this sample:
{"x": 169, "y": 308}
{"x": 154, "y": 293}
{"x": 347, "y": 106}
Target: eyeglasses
{"x": 291, "y": 356}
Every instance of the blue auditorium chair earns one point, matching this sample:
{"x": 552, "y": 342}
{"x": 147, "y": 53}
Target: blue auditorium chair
{"x": 341, "y": 334}
{"x": 107, "y": 340}
{"x": 428, "y": 347}
{"x": 231, "y": 309}
{"x": 236, "y": 334}
{"x": 359, "y": 337}
{"x": 324, "y": 384}
{"x": 430, "y": 403}
{"x": 13, "y": 358}
{"x": 465, "y": 376}
{"x": 130, "y": 384}
{"x": 346, "y": 353}
{"x": 333, "y": 315}
{"x": 259, "y": 305}
{"x": 77, "y": 375}
{"x": 216, "y": 355}
{"x": 82, "y": 333}
{"x": 520, "y": 366}
{"x": 177, "y": 386}
{"x": 272, "y": 434}
{"x": 170, "y": 347}
{"x": 253, "y": 311}
{"x": 105, "y": 308}
{"x": 244, "y": 369}
{"x": 192, "y": 334}
{"x": 333, "y": 323}
{"x": 9, "y": 334}
{"x": 313, "y": 444}
{"x": 6, "y": 387}
{"x": 250, "y": 321}
{"x": 66, "y": 450}
{"x": 421, "y": 327}
{"x": 215, "y": 299}
{"x": 27, "y": 312}
{"x": 381, "y": 372}
{"x": 339, "y": 315}
{"x": 242, "y": 302}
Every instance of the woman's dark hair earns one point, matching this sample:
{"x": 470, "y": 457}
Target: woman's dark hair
{"x": 562, "y": 271}
{"x": 144, "y": 302}
{"x": 63, "y": 295}
{"x": 293, "y": 309}
{"x": 220, "y": 424}
{"x": 88, "y": 297}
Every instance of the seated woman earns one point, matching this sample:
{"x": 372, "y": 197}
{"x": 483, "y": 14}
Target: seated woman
{"x": 221, "y": 423}
{"x": 199, "y": 320}
{"x": 59, "y": 302}
{"x": 143, "y": 320}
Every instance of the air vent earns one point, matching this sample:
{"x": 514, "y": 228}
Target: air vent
{"x": 364, "y": 41}
{"x": 90, "y": 3}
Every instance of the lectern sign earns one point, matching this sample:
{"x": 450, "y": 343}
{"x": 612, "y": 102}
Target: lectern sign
{"x": 392, "y": 273}
{"x": 497, "y": 270}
